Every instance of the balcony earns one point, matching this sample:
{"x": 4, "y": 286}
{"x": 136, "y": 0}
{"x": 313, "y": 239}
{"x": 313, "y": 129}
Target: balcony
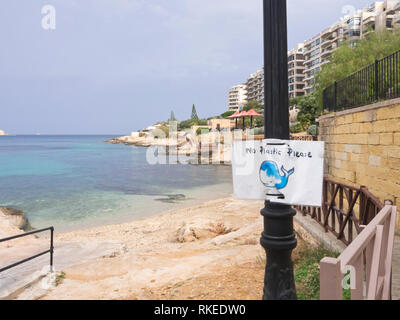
{"x": 369, "y": 21}
{"x": 311, "y": 67}
{"x": 327, "y": 42}
{"x": 308, "y": 78}
{"x": 327, "y": 52}
{"x": 396, "y": 19}
{"x": 295, "y": 66}
{"x": 325, "y": 61}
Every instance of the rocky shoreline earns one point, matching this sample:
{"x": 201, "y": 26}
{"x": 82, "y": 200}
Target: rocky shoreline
{"x": 16, "y": 218}
{"x": 211, "y": 152}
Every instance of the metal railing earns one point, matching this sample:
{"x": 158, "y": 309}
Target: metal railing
{"x": 344, "y": 210}
{"x": 378, "y": 81}
{"x": 51, "y": 250}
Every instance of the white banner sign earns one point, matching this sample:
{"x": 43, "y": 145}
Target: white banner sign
{"x": 289, "y": 172}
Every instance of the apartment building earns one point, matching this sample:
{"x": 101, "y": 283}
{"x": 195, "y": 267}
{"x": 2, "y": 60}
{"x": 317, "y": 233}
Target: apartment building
{"x": 255, "y": 86}
{"x": 307, "y": 59}
{"x": 237, "y": 97}
{"x": 296, "y": 71}
{"x": 318, "y": 50}
{"x": 380, "y": 16}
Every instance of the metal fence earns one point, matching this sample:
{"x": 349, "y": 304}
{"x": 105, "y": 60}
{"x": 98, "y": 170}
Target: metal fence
{"x": 51, "y": 249}
{"x": 378, "y": 81}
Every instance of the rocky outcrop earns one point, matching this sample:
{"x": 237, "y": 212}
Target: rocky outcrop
{"x": 16, "y": 218}
{"x": 145, "y": 139}
{"x": 184, "y": 145}
{"x": 199, "y": 230}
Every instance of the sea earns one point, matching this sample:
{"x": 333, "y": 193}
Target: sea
{"x": 79, "y": 181}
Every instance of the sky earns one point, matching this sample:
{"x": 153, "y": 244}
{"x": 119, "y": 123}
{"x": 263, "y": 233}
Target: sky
{"x": 116, "y": 66}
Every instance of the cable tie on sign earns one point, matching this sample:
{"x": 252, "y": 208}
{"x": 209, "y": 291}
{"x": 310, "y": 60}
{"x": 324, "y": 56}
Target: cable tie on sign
{"x": 276, "y": 144}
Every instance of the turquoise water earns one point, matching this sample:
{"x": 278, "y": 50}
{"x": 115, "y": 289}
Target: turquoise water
{"x": 80, "y": 181}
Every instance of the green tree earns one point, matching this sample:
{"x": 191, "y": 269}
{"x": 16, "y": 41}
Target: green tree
{"x": 309, "y": 111}
{"x": 186, "y": 124}
{"x": 194, "y": 116}
{"x": 258, "y": 122}
{"x": 348, "y": 59}
{"x": 227, "y": 114}
{"x": 253, "y": 104}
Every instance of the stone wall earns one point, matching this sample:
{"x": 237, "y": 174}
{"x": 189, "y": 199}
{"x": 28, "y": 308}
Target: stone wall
{"x": 363, "y": 148}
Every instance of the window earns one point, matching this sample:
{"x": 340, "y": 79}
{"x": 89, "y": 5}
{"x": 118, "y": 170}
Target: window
{"x": 315, "y": 43}
{"x": 354, "y": 21}
{"x": 354, "y": 33}
{"x": 315, "y": 52}
{"x": 314, "y": 62}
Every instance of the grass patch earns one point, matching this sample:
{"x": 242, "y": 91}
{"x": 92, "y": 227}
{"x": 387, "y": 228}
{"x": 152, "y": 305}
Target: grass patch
{"x": 306, "y": 272}
{"x": 306, "y": 262}
{"x": 59, "y": 278}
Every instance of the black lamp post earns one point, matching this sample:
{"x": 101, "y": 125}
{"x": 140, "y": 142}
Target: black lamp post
{"x": 278, "y": 238}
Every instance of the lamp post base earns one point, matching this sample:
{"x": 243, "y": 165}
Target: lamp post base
{"x": 278, "y": 240}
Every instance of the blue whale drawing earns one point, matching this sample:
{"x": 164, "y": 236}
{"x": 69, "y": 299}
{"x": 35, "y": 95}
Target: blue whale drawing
{"x": 272, "y": 178}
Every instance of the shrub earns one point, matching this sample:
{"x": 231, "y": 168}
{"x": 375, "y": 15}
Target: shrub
{"x": 296, "y": 127}
{"x": 200, "y": 131}
{"x": 203, "y": 122}
{"x": 164, "y": 129}
{"x": 308, "y": 110}
{"x": 313, "y": 130}
{"x": 186, "y": 124}
{"x": 258, "y": 131}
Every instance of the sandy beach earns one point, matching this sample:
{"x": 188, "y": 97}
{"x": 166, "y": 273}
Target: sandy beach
{"x": 210, "y": 251}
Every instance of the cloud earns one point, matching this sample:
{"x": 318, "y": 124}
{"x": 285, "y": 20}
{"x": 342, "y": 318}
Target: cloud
{"x": 158, "y": 10}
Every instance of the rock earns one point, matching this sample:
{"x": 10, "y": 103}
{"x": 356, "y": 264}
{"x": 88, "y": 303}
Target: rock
{"x": 225, "y": 238}
{"x": 200, "y": 230}
{"x": 17, "y": 218}
{"x": 186, "y": 234}
{"x": 173, "y": 198}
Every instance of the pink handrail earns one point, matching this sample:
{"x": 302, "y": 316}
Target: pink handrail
{"x": 368, "y": 257}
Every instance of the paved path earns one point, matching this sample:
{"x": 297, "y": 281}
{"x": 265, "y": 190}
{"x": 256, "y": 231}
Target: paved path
{"x": 396, "y": 270}
{"x": 65, "y": 255}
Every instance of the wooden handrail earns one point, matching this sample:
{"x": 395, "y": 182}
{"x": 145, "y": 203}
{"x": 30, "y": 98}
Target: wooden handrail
{"x": 344, "y": 209}
{"x": 368, "y": 259}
